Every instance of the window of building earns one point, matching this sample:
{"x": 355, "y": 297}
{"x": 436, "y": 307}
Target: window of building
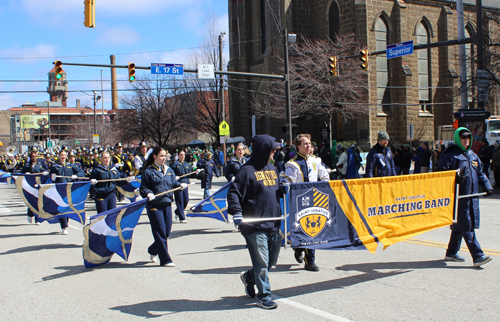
{"x": 424, "y": 67}
{"x": 333, "y": 20}
{"x": 383, "y": 83}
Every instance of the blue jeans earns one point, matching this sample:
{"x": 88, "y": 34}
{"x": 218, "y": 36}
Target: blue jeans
{"x": 264, "y": 248}
{"x": 471, "y": 241}
{"x": 206, "y": 193}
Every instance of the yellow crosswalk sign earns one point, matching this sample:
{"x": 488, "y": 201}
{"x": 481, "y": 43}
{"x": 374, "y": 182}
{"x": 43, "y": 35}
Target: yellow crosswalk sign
{"x": 223, "y": 128}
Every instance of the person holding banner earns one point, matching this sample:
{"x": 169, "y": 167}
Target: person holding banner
{"x": 32, "y": 167}
{"x": 254, "y": 196}
{"x": 460, "y": 157}
{"x": 210, "y": 169}
{"x": 158, "y": 178}
{"x": 105, "y": 192}
{"x": 305, "y": 167}
{"x": 62, "y": 172}
{"x": 379, "y": 162}
{"x": 181, "y": 168}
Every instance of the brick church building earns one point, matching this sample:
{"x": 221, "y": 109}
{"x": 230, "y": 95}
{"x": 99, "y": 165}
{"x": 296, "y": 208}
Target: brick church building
{"x": 415, "y": 89}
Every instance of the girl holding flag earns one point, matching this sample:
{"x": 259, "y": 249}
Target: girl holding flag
{"x": 158, "y": 178}
{"x": 105, "y": 192}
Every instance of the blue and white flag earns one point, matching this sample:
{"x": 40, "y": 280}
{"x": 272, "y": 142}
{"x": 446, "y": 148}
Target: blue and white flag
{"x": 131, "y": 189}
{"x": 5, "y": 177}
{"x": 110, "y": 232}
{"x": 215, "y": 206}
{"x": 56, "y": 200}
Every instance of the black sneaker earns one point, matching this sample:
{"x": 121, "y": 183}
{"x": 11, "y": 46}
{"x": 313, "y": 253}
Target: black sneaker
{"x": 299, "y": 255}
{"x": 267, "y": 304}
{"x": 249, "y": 289}
{"x": 482, "y": 260}
{"x": 454, "y": 258}
{"x": 312, "y": 267}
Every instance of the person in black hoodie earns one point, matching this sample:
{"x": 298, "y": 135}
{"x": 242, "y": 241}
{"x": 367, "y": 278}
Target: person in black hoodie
{"x": 254, "y": 194}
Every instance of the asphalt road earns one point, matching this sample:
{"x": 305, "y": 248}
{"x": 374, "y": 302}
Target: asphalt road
{"x": 43, "y": 277}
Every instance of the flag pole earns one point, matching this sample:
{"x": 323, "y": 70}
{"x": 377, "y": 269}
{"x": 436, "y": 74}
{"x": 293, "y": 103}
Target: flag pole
{"x": 169, "y": 191}
{"x": 187, "y": 174}
{"x": 262, "y": 219}
{"x": 285, "y": 215}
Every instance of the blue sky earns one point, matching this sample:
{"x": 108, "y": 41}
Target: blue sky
{"x": 37, "y": 32}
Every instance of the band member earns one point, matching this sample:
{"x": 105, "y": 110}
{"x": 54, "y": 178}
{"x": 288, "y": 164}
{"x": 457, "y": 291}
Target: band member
{"x": 141, "y": 157}
{"x": 235, "y": 163}
{"x": 180, "y": 168}
{"x": 105, "y": 192}
{"x": 303, "y": 168}
{"x": 32, "y": 167}
{"x": 158, "y": 178}
{"x": 77, "y": 165}
{"x": 118, "y": 159}
{"x": 129, "y": 167}
{"x": 210, "y": 168}
{"x": 96, "y": 160}
{"x": 63, "y": 168}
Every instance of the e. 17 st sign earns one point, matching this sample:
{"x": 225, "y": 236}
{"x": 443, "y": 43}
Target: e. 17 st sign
{"x": 398, "y": 50}
{"x": 167, "y": 69}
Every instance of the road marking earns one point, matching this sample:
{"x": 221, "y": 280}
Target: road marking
{"x": 4, "y": 209}
{"x": 492, "y": 252}
{"x": 311, "y": 309}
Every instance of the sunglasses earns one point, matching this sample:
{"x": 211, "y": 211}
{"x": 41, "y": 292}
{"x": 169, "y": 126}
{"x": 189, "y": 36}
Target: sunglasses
{"x": 466, "y": 136}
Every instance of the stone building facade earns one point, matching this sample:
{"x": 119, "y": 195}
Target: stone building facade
{"x": 418, "y": 89}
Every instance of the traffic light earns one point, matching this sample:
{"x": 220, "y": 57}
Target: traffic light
{"x": 333, "y": 66}
{"x": 364, "y": 59}
{"x": 58, "y": 69}
{"x": 131, "y": 72}
{"x": 89, "y": 13}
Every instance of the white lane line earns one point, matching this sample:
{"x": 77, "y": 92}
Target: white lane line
{"x": 311, "y": 309}
{"x": 4, "y": 209}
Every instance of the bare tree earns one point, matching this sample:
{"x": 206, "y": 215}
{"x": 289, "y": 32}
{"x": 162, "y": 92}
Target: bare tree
{"x": 159, "y": 109}
{"x": 208, "y": 99}
{"x": 104, "y": 126}
{"x": 314, "y": 91}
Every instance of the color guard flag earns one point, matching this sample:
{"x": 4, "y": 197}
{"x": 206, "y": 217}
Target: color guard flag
{"x": 111, "y": 233}
{"x": 56, "y": 200}
{"x": 360, "y": 213}
{"x": 131, "y": 189}
{"x": 215, "y": 206}
{"x": 5, "y": 178}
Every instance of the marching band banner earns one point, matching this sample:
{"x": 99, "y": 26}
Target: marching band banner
{"x": 360, "y": 213}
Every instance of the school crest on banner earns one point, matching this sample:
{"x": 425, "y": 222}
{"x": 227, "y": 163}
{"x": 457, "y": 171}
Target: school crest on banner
{"x": 312, "y": 212}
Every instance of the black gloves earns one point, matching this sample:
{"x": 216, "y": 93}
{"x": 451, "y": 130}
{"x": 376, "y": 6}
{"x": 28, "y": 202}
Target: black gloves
{"x": 458, "y": 179}
{"x": 489, "y": 192}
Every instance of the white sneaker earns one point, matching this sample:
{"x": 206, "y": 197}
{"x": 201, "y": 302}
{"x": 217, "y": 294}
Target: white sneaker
{"x": 65, "y": 231}
{"x": 170, "y": 264}
{"x": 30, "y": 219}
{"x": 184, "y": 221}
{"x": 154, "y": 258}
{"x": 38, "y": 223}
{"x": 176, "y": 218}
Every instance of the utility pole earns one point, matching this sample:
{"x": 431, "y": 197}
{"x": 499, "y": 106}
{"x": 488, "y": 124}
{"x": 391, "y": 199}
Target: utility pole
{"x": 480, "y": 56}
{"x": 221, "y": 96}
{"x": 464, "y": 102}
{"x": 287, "y": 88}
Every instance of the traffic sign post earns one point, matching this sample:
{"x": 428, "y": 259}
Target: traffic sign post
{"x": 167, "y": 69}
{"x": 400, "y": 49}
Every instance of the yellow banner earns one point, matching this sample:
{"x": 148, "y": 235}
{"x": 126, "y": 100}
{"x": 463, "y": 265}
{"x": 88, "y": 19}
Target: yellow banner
{"x": 34, "y": 121}
{"x": 392, "y": 209}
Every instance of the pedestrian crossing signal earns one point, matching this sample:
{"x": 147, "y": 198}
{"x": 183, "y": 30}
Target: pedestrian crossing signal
{"x": 131, "y": 72}
{"x": 364, "y": 59}
{"x": 333, "y": 66}
{"x": 58, "y": 69}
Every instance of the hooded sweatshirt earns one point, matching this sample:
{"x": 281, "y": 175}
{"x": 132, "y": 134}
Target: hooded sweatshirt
{"x": 255, "y": 191}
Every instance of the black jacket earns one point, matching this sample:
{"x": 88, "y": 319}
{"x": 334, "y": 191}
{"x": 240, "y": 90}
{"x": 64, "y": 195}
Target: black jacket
{"x": 255, "y": 191}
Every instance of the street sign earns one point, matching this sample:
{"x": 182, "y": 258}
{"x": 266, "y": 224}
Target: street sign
{"x": 49, "y": 144}
{"x": 400, "y": 49}
{"x": 223, "y": 128}
{"x": 167, "y": 69}
{"x": 77, "y": 142}
{"x": 95, "y": 138}
{"x": 206, "y": 71}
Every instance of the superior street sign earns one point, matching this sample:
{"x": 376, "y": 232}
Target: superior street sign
{"x": 167, "y": 69}
{"x": 401, "y": 49}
